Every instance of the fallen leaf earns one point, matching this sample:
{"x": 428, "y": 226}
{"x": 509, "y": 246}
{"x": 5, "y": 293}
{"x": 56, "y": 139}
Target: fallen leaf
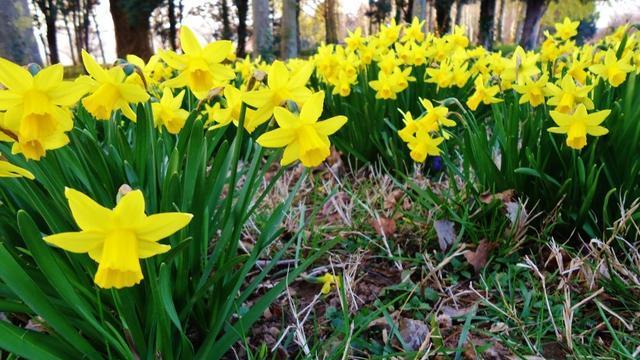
{"x": 504, "y": 196}
{"x": 36, "y": 324}
{"x": 478, "y": 258}
{"x": 414, "y": 333}
{"x": 452, "y": 312}
{"x": 499, "y": 327}
{"x": 406, "y": 204}
{"x": 446, "y": 233}
{"x": 391, "y": 199}
{"x": 516, "y": 213}
{"x": 384, "y": 226}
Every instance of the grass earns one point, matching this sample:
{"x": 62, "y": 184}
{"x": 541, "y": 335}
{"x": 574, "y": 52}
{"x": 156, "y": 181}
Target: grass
{"x": 403, "y": 293}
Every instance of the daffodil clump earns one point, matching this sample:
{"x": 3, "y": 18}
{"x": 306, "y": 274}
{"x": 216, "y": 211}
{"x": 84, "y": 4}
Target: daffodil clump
{"x": 37, "y": 114}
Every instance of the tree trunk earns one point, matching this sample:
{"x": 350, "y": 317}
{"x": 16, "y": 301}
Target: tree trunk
{"x": 298, "y": 42}
{"x": 17, "y": 42}
{"x": 443, "y": 15}
{"x": 408, "y": 15}
{"x": 419, "y": 9}
{"x": 331, "y": 21}
{"x": 499, "y": 22}
{"x": 288, "y": 30}
{"x": 458, "y": 13}
{"x": 262, "y": 29}
{"x": 226, "y": 23}
{"x": 399, "y": 9}
{"x": 50, "y": 10}
{"x": 242, "y": 8}
{"x": 172, "y": 25}
{"x": 487, "y": 14}
{"x": 74, "y": 59}
{"x": 531, "y": 27}
{"x": 132, "y": 37}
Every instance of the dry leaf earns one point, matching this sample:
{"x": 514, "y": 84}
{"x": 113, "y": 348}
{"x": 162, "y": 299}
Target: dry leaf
{"x": 504, "y": 196}
{"x": 446, "y": 233}
{"x": 452, "y": 312}
{"x": 414, "y": 333}
{"x": 384, "y": 226}
{"x": 391, "y": 199}
{"x": 478, "y": 258}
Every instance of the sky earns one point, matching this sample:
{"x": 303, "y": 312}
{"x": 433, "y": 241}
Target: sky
{"x": 608, "y": 10}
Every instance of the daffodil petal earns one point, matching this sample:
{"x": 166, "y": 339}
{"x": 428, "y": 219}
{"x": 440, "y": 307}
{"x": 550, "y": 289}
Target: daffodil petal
{"x": 147, "y": 249}
{"x": 88, "y": 214}
{"x": 277, "y": 138}
{"x": 76, "y": 242}
{"x": 331, "y": 125}
{"x": 159, "y": 226}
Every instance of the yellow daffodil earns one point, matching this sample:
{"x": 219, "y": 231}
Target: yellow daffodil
{"x": 423, "y": 145}
{"x": 303, "y": 136}
{"x": 384, "y": 86}
{"x": 328, "y": 280}
{"x": 441, "y": 76}
{"x": 154, "y": 70}
{"x": 282, "y": 85}
{"x": 566, "y": 96}
{"x": 109, "y": 91}
{"x": 483, "y": 94}
{"x": 245, "y": 68}
{"x": 532, "y": 91}
{"x": 567, "y": 29}
{"x": 522, "y": 66}
{"x": 389, "y": 33}
{"x": 231, "y": 112}
{"x": 354, "y": 40}
{"x": 117, "y": 239}
{"x": 37, "y": 107}
{"x": 410, "y": 126}
{"x": 578, "y": 125}
{"x": 414, "y": 31}
{"x": 200, "y": 68}
{"x": 613, "y": 70}
{"x": 168, "y": 113}
{"x": 437, "y": 114}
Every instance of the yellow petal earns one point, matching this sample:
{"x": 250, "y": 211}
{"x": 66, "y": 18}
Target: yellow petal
{"x": 49, "y": 77}
{"x": 92, "y": 67}
{"x": 277, "y": 138}
{"x": 285, "y": 118}
{"x": 278, "y": 75}
{"x": 301, "y": 77}
{"x": 14, "y": 77}
{"x": 291, "y": 153}
{"x": 312, "y": 108}
{"x": 188, "y": 41}
{"x": 217, "y": 51}
{"x": 76, "y": 242}
{"x": 130, "y": 209}
{"x": 331, "y": 125}
{"x": 159, "y": 226}
{"x": 147, "y": 249}
{"x": 88, "y": 214}
{"x": 598, "y": 117}
{"x": 9, "y": 170}
{"x": 67, "y": 93}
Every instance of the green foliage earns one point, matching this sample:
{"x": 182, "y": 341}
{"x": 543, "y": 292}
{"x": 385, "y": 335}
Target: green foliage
{"x": 573, "y": 9}
{"x": 512, "y": 149}
{"x": 193, "y": 300}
